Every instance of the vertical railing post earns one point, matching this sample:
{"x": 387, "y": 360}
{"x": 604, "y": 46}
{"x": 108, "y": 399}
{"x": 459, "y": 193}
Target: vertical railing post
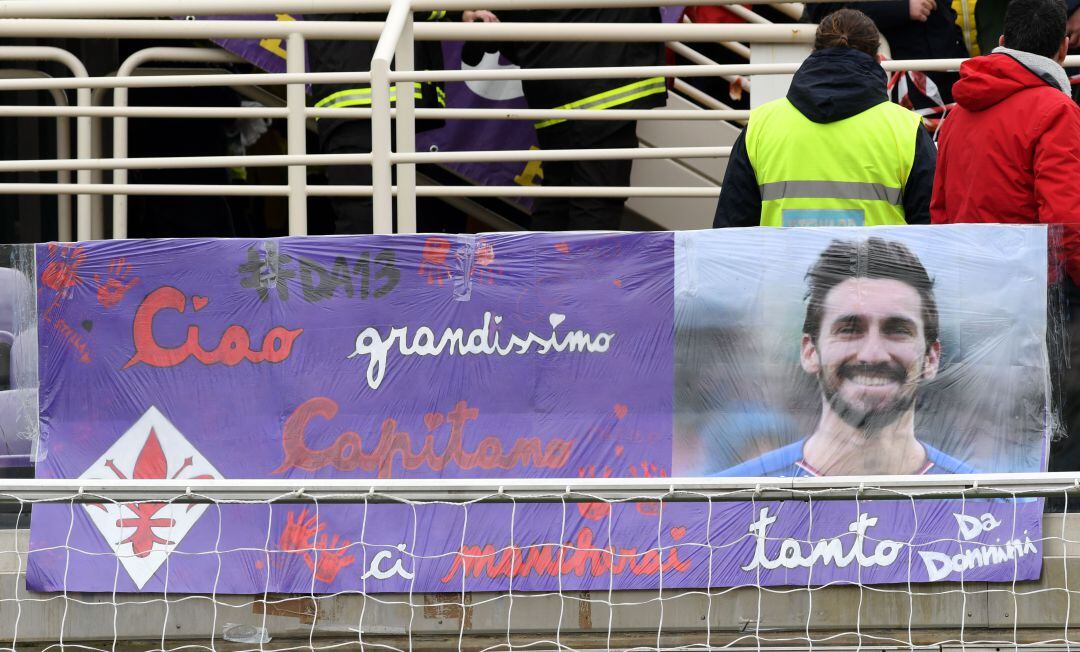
{"x": 63, "y": 152}
{"x": 406, "y": 131}
{"x": 296, "y": 62}
{"x": 97, "y": 202}
{"x": 88, "y": 228}
{"x": 381, "y": 174}
{"x": 381, "y": 142}
{"x": 120, "y": 125}
{"x": 120, "y": 150}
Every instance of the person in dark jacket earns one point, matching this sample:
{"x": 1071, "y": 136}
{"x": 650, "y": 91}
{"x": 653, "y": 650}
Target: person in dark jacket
{"x": 353, "y": 136}
{"x": 914, "y": 29}
{"x": 585, "y": 213}
{"x": 835, "y": 151}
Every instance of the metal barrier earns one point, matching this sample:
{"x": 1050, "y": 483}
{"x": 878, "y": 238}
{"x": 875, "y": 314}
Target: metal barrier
{"x": 395, "y": 40}
{"x": 63, "y": 141}
{"x": 82, "y": 99}
{"x": 120, "y": 100}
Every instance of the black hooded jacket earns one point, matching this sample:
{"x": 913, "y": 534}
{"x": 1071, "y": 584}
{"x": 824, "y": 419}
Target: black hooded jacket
{"x": 831, "y": 85}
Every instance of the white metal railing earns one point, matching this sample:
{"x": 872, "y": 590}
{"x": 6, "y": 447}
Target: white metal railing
{"x": 120, "y": 124}
{"x": 82, "y": 99}
{"x": 395, "y": 45}
{"x": 135, "y": 8}
{"x": 63, "y": 142}
{"x": 523, "y": 490}
{"x": 381, "y": 158}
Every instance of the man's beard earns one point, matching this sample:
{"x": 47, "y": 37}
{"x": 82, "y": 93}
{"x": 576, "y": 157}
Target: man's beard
{"x": 872, "y": 419}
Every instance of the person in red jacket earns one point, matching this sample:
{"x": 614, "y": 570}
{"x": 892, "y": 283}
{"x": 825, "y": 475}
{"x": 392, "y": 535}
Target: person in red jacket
{"x": 1010, "y": 153}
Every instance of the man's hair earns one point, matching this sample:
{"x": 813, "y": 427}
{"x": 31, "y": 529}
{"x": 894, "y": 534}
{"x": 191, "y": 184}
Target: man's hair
{"x": 871, "y": 258}
{"x": 848, "y": 28}
{"x": 1035, "y": 26}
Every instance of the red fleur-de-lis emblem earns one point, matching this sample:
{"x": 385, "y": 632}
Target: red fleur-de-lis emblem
{"x": 150, "y": 465}
{"x": 144, "y": 533}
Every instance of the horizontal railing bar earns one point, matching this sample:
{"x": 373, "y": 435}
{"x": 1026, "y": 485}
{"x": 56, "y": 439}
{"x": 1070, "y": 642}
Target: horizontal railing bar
{"x": 184, "y": 190}
{"x": 614, "y": 72}
{"x": 166, "y": 8}
{"x": 145, "y": 189}
{"x": 423, "y": 31}
{"x": 274, "y": 160}
{"x": 547, "y": 489}
{"x": 24, "y": 111}
{"x": 185, "y": 162}
{"x": 361, "y": 77}
{"x": 51, "y": 111}
{"x": 711, "y": 192}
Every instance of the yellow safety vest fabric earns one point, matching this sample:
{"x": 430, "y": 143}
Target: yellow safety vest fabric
{"x": 614, "y": 97}
{"x": 361, "y": 96}
{"x": 850, "y": 172}
{"x": 965, "y": 19}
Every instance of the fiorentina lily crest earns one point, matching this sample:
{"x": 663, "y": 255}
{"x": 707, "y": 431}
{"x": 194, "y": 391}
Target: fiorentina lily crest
{"x": 144, "y": 534}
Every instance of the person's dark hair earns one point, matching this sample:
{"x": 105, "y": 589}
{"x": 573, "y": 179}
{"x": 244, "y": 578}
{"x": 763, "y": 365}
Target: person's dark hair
{"x": 848, "y": 28}
{"x": 1035, "y": 26}
{"x": 871, "y": 258}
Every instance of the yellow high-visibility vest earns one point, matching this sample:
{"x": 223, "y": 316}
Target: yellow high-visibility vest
{"x": 851, "y": 172}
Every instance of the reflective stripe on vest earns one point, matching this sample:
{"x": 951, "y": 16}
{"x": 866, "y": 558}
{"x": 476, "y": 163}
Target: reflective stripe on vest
{"x": 362, "y": 96}
{"x": 614, "y": 97}
{"x": 848, "y": 172}
{"x": 827, "y": 189}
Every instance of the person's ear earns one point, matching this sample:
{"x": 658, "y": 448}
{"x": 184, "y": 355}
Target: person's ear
{"x": 808, "y": 356}
{"x": 1001, "y": 40}
{"x": 933, "y": 361}
{"x": 1062, "y": 51}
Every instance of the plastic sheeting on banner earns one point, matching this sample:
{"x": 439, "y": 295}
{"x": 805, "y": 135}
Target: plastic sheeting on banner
{"x": 19, "y": 433}
{"x": 738, "y": 352}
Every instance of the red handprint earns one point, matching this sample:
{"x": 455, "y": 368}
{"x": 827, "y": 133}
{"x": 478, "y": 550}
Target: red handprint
{"x": 62, "y": 272}
{"x": 484, "y": 269}
{"x": 599, "y": 510}
{"x": 112, "y": 291}
{"x": 648, "y": 470}
{"x": 332, "y": 557}
{"x": 433, "y": 261}
{"x": 299, "y": 533}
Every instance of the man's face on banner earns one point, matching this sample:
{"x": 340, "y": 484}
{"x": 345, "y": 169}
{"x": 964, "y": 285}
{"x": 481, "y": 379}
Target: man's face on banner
{"x": 871, "y": 352}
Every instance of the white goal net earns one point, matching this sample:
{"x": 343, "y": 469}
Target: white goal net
{"x": 564, "y": 591}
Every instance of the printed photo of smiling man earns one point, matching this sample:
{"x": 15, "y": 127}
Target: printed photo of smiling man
{"x": 870, "y": 339}
{"x": 828, "y": 352}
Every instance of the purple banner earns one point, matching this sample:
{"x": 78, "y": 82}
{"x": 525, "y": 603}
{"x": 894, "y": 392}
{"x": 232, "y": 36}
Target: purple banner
{"x": 268, "y": 53}
{"x": 538, "y": 355}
